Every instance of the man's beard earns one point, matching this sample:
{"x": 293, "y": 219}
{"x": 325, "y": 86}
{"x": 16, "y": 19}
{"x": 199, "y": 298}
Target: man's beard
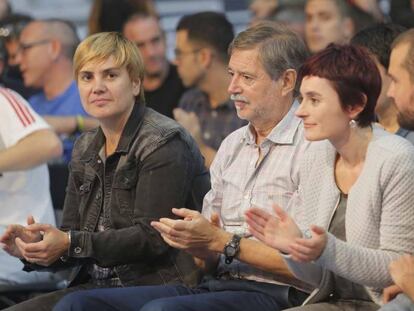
{"x": 406, "y": 120}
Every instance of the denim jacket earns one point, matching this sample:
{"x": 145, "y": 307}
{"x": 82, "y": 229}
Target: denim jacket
{"x": 160, "y": 167}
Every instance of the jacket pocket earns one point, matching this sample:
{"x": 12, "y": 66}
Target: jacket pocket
{"x": 124, "y": 185}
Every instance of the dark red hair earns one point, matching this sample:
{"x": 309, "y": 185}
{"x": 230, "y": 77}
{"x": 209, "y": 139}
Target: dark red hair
{"x": 353, "y": 75}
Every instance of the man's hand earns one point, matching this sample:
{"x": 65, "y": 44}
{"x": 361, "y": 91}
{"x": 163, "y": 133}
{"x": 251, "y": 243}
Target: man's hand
{"x": 190, "y": 122}
{"x": 8, "y": 239}
{"x": 54, "y": 244}
{"x": 278, "y": 231}
{"x": 193, "y": 233}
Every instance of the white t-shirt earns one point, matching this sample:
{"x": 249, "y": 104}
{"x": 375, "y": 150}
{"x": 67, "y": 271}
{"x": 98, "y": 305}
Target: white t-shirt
{"x": 22, "y": 193}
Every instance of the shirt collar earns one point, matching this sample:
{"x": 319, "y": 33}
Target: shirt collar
{"x": 283, "y": 133}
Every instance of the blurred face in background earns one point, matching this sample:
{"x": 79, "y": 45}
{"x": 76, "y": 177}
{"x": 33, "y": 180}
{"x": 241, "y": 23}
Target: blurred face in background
{"x": 262, "y": 9}
{"x": 12, "y": 47}
{"x": 35, "y": 55}
{"x": 402, "y": 86}
{"x": 187, "y": 59}
{"x": 384, "y": 101}
{"x": 324, "y": 24}
{"x": 146, "y": 33}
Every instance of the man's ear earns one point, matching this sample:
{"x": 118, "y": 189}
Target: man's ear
{"x": 206, "y": 56}
{"x": 288, "y": 80}
{"x": 55, "y": 49}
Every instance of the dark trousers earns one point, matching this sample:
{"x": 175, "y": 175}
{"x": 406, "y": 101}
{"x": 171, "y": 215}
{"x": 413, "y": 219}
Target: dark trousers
{"x": 209, "y": 296}
{"x": 46, "y": 302}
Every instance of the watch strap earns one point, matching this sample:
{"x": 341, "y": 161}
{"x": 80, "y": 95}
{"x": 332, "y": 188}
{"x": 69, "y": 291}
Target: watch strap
{"x": 235, "y": 244}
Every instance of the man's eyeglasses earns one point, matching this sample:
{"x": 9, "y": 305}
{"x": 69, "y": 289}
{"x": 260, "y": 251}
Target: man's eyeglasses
{"x": 26, "y": 46}
{"x": 179, "y": 54}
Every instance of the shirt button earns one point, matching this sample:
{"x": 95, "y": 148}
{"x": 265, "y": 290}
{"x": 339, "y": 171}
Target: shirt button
{"x": 99, "y": 161}
{"x": 246, "y": 196}
{"x": 207, "y": 135}
{"x": 78, "y": 250}
{"x": 98, "y": 196}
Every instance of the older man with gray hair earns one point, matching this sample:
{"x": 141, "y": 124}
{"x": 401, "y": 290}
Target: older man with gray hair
{"x": 255, "y": 165}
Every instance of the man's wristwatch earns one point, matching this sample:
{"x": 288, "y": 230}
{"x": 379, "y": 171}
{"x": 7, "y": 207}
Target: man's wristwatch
{"x": 232, "y": 248}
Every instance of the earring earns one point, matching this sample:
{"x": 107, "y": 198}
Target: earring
{"x": 352, "y": 124}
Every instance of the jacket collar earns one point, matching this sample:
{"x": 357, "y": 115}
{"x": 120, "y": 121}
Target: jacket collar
{"x": 127, "y": 137}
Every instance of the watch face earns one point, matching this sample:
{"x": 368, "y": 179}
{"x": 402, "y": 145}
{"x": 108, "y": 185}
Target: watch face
{"x": 230, "y": 251}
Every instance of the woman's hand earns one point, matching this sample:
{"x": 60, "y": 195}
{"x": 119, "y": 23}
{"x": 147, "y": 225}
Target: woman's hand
{"x": 276, "y": 231}
{"x": 8, "y": 239}
{"x": 53, "y": 245}
{"x": 390, "y": 293}
{"x": 402, "y": 272}
{"x": 311, "y": 248}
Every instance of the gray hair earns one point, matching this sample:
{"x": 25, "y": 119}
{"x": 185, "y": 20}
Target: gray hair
{"x": 280, "y": 48}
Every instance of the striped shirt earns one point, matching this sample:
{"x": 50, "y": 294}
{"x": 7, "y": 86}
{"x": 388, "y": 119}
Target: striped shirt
{"x": 239, "y": 182}
{"x": 22, "y": 192}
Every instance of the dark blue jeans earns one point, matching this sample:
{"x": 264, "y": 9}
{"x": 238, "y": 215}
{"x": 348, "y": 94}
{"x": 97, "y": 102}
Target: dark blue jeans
{"x": 209, "y": 296}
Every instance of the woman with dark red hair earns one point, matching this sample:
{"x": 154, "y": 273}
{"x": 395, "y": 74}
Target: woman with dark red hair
{"x": 353, "y": 213}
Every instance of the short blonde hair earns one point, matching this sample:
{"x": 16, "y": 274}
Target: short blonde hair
{"x": 99, "y": 47}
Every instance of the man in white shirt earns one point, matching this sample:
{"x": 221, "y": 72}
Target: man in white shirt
{"x": 26, "y": 143}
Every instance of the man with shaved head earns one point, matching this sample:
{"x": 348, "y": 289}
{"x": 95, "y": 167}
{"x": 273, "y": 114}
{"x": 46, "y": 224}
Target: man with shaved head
{"x": 45, "y": 60}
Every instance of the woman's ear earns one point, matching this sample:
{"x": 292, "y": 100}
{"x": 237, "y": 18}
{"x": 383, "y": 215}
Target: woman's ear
{"x": 136, "y": 87}
{"x": 355, "y": 110}
{"x": 288, "y": 81}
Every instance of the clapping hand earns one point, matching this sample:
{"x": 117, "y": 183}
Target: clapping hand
{"x": 193, "y": 233}
{"x": 309, "y": 248}
{"x": 8, "y": 239}
{"x": 277, "y": 231}
{"x": 47, "y": 250}
{"x": 281, "y": 232}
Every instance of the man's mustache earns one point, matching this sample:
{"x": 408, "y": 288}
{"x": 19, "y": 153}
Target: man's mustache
{"x": 239, "y": 98}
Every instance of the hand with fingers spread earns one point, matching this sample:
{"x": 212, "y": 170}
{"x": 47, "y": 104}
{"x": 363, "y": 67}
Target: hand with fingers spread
{"x": 193, "y": 233}
{"x": 276, "y": 231}
{"x": 309, "y": 249}
{"x": 8, "y": 239}
{"x": 189, "y": 121}
{"x": 53, "y": 245}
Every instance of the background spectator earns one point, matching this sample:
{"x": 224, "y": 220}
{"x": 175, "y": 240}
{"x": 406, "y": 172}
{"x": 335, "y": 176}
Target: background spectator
{"x": 201, "y": 57}
{"x": 162, "y": 85}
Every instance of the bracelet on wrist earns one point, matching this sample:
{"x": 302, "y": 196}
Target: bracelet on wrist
{"x": 80, "y": 124}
